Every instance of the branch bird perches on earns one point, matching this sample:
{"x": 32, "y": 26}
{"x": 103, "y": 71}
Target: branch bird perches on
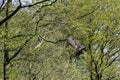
{"x": 79, "y": 49}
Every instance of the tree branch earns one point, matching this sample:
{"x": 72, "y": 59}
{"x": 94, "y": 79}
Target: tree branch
{"x": 21, "y": 35}
{"x": 88, "y": 13}
{"x": 2, "y": 3}
{"x": 19, "y": 50}
{"x": 31, "y": 5}
{"x": 20, "y": 6}
{"x": 11, "y": 15}
{"x": 5, "y": 3}
{"x": 54, "y": 42}
{"x": 110, "y": 63}
{"x": 16, "y": 53}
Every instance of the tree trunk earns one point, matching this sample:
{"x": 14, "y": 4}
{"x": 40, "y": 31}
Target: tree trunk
{"x": 6, "y": 58}
{"x": 6, "y": 52}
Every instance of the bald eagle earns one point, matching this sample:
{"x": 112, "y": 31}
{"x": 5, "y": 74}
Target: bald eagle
{"x": 79, "y": 49}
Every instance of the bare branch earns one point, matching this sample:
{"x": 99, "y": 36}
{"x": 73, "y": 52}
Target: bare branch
{"x": 3, "y": 1}
{"x": 20, "y": 35}
{"x": 16, "y": 53}
{"x": 31, "y": 5}
{"x": 114, "y": 53}
{"x": 20, "y": 6}
{"x": 54, "y": 42}
{"x": 110, "y": 63}
{"x": 9, "y": 16}
{"x": 88, "y": 13}
{"x": 49, "y": 4}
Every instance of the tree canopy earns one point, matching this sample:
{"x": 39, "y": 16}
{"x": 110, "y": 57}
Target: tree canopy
{"x": 34, "y": 36}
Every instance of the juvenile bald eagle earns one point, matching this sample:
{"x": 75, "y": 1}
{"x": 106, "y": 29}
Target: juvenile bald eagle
{"x": 79, "y": 49}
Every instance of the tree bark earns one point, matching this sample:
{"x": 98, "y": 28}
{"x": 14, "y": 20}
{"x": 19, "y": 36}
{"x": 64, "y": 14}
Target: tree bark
{"x": 6, "y": 52}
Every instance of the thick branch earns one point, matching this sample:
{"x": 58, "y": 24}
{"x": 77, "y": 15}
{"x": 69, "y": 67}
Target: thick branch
{"x": 2, "y": 3}
{"x": 9, "y": 16}
{"x": 20, "y": 6}
{"x": 5, "y": 3}
{"x": 31, "y": 5}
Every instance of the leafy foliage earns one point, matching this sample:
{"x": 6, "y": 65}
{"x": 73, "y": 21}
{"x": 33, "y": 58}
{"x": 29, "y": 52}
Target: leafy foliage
{"x": 35, "y": 38}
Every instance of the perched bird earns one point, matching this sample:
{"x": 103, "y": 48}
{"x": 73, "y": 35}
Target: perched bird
{"x": 79, "y": 49}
